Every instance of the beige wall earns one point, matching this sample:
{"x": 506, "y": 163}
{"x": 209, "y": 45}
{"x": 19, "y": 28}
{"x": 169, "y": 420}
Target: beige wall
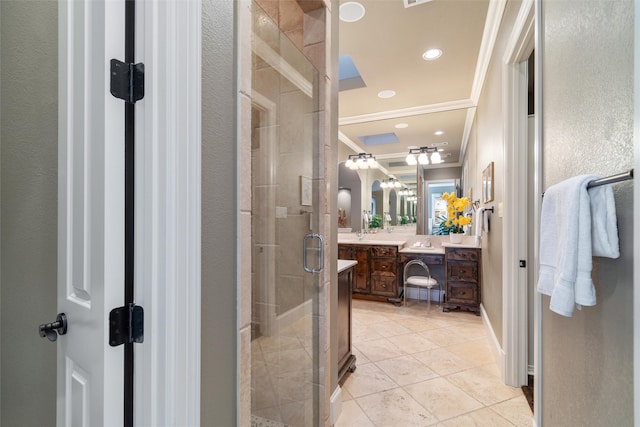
{"x": 587, "y": 120}
{"x": 486, "y": 144}
{"x": 219, "y": 339}
{"x": 29, "y": 135}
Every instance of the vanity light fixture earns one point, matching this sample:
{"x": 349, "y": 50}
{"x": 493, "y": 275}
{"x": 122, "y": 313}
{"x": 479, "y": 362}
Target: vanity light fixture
{"x": 390, "y": 183}
{"x": 423, "y": 156}
{"x": 361, "y": 161}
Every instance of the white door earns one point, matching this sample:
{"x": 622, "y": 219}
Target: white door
{"x": 90, "y": 212}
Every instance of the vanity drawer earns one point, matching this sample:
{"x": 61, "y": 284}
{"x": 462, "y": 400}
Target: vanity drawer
{"x": 462, "y": 293}
{"x": 384, "y": 251}
{"x": 383, "y": 285}
{"x": 463, "y": 254}
{"x": 435, "y": 259}
{"x": 463, "y": 271}
{"x": 384, "y": 266}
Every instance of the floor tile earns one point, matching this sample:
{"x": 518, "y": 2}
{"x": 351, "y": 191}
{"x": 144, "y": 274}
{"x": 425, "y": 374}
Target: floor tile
{"x": 406, "y": 370}
{"x": 442, "y": 398}
{"x": 412, "y": 343}
{"x": 443, "y": 361}
{"x": 516, "y": 410}
{"x": 353, "y": 416}
{"x": 395, "y": 408}
{"x": 368, "y": 379}
{"x": 484, "y": 417}
{"x": 379, "y": 349}
{"x": 484, "y": 386}
{"x": 416, "y": 366}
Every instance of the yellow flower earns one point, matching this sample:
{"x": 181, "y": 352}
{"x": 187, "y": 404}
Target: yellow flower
{"x": 455, "y": 206}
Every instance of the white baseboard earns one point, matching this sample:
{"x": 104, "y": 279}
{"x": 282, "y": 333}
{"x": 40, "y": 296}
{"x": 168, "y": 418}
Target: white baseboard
{"x": 290, "y": 317}
{"x": 498, "y": 352}
{"x": 336, "y": 405}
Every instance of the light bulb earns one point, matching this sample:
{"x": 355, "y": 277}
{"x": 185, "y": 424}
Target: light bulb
{"x": 397, "y": 184}
{"x": 411, "y": 160}
{"x": 435, "y": 157}
{"x": 361, "y": 163}
{"x": 423, "y": 159}
{"x": 349, "y": 164}
{"x": 371, "y": 162}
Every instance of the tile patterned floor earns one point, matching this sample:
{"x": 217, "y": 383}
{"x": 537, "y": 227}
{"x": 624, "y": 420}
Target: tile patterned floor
{"x": 421, "y": 367}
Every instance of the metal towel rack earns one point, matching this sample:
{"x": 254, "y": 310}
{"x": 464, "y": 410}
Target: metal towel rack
{"x": 624, "y": 176}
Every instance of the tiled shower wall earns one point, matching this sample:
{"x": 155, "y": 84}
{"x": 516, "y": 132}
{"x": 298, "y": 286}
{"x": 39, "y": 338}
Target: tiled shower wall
{"x": 307, "y": 24}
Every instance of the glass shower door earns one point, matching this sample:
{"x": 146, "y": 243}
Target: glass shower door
{"x": 284, "y": 216}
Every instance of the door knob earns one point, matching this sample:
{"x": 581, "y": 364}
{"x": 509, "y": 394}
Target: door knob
{"x": 52, "y": 330}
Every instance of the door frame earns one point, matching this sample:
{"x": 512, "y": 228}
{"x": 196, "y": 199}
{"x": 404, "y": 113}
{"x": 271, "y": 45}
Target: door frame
{"x": 636, "y": 210}
{"x": 168, "y": 213}
{"x": 514, "y": 285}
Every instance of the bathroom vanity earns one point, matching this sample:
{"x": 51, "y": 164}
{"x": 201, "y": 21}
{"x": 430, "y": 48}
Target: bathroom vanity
{"x": 346, "y": 359}
{"x": 379, "y": 272}
{"x": 376, "y": 274}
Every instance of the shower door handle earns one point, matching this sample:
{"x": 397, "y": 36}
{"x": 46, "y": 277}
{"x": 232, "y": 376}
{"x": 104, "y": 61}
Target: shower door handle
{"x": 304, "y": 252}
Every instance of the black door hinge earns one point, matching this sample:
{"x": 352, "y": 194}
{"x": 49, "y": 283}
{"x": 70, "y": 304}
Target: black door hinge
{"x": 126, "y": 325}
{"x": 127, "y": 81}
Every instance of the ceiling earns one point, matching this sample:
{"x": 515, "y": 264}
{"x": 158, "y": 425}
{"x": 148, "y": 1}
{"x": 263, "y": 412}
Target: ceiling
{"x": 386, "y": 47}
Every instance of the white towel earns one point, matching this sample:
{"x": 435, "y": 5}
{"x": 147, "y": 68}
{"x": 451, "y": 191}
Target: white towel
{"x": 604, "y": 222}
{"x": 565, "y": 246}
{"x": 479, "y": 221}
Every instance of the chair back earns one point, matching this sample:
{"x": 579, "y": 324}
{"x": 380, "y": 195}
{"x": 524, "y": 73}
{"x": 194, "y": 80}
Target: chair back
{"x": 419, "y": 263}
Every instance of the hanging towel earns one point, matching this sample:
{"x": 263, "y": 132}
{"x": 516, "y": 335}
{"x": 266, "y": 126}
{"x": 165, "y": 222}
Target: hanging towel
{"x": 604, "y": 222}
{"x": 479, "y": 221}
{"x": 565, "y": 246}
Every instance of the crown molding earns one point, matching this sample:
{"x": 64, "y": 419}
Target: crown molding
{"x": 407, "y": 112}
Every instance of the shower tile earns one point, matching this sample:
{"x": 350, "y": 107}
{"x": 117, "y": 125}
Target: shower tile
{"x": 314, "y": 26}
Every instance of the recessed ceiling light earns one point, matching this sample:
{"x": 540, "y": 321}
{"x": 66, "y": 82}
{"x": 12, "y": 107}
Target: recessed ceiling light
{"x": 401, "y": 125}
{"x": 387, "y": 94}
{"x": 438, "y": 132}
{"x": 351, "y": 11}
{"x": 432, "y": 54}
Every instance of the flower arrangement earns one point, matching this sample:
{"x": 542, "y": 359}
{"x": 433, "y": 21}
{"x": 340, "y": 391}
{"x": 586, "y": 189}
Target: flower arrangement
{"x": 455, "y": 206}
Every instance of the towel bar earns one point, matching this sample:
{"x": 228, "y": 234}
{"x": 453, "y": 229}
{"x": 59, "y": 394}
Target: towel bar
{"x": 623, "y": 176}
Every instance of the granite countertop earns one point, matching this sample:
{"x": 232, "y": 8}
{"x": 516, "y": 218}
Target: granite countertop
{"x": 344, "y": 264}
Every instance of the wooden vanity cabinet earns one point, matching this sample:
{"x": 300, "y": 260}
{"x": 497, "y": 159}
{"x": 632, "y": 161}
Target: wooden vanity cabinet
{"x": 463, "y": 279}
{"x": 346, "y": 359}
{"x": 376, "y": 274}
{"x": 384, "y": 270}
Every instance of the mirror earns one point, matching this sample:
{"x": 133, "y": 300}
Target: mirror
{"x": 360, "y": 193}
{"x": 417, "y": 130}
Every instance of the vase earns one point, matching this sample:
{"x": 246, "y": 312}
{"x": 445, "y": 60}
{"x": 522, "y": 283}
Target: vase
{"x": 455, "y": 237}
